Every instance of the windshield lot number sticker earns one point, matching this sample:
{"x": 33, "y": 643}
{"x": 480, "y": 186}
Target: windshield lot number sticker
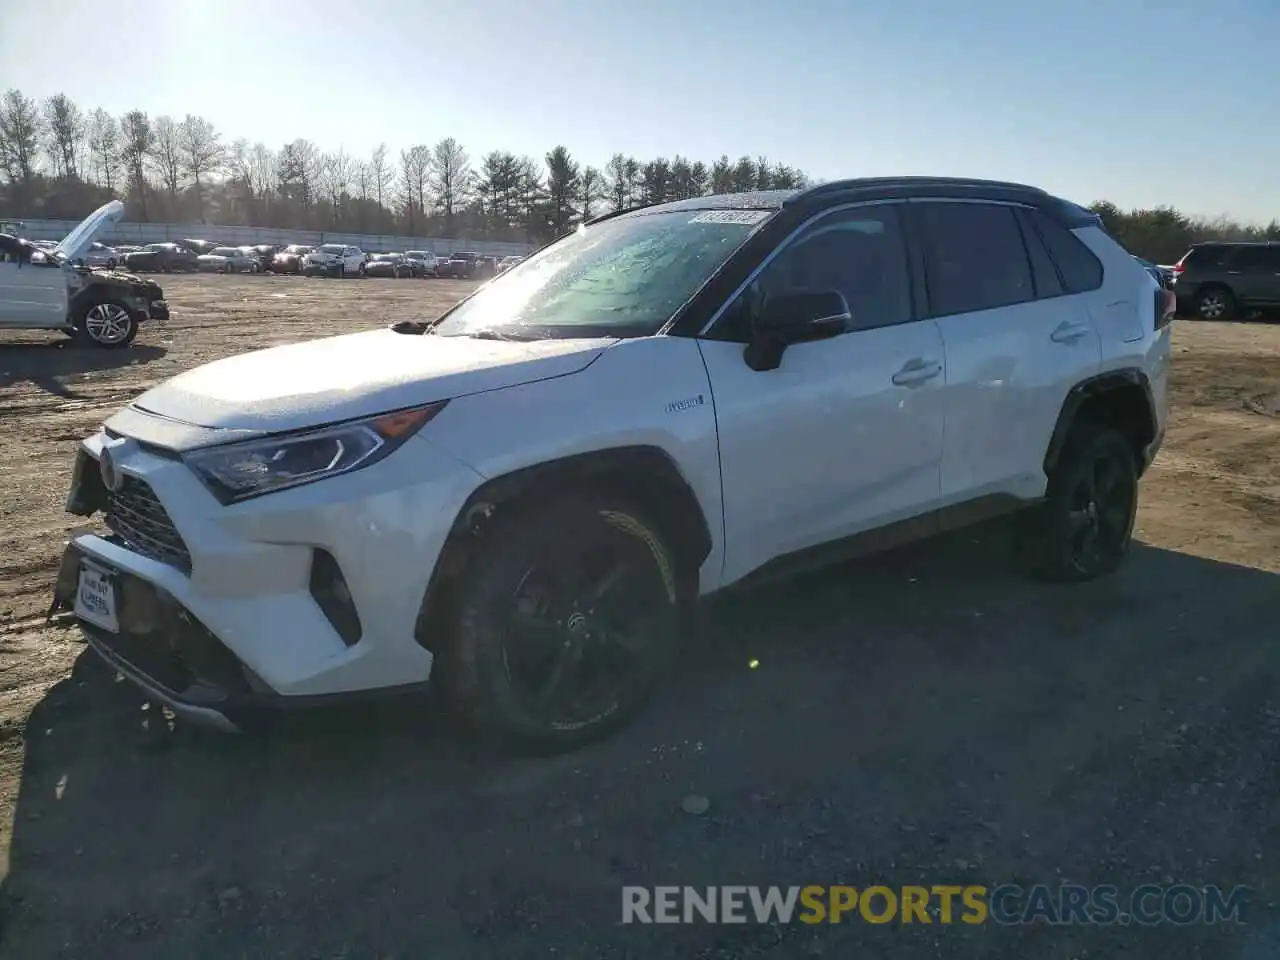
{"x": 746, "y": 218}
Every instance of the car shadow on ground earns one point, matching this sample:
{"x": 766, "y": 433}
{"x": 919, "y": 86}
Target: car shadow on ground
{"x": 44, "y": 362}
{"x": 919, "y": 717}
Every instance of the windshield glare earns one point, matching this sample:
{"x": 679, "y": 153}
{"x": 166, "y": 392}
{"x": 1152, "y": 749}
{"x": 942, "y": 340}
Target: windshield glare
{"x": 619, "y": 278}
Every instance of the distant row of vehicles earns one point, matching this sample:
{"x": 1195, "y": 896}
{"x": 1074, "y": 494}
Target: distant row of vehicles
{"x": 328, "y": 259}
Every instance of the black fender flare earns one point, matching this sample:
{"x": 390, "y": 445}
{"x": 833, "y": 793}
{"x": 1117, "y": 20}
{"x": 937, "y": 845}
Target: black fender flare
{"x": 1124, "y": 378}
{"x": 646, "y": 473}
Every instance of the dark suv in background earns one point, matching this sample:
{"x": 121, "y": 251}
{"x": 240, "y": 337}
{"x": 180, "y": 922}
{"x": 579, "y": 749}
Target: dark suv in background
{"x": 1218, "y": 280}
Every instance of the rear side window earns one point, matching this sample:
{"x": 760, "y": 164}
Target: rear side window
{"x": 1256, "y": 258}
{"x": 1080, "y": 270}
{"x": 1208, "y": 255}
{"x": 976, "y": 258}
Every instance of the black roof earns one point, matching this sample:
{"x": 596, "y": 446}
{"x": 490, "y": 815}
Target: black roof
{"x": 877, "y": 188}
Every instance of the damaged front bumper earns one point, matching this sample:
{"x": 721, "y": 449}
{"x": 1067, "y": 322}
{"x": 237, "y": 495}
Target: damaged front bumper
{"x": 158, "y": 645}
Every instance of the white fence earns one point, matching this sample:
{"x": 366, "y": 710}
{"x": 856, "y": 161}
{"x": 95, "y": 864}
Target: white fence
{"x": 143, "y": 233}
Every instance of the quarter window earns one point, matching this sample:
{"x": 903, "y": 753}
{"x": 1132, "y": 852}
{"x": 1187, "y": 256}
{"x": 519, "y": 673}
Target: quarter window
{"x": 1081, "y": 270}
{"x": 976, "y": 259}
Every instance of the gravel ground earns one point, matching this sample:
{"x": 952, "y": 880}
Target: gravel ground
{"x": 920, "y": 717}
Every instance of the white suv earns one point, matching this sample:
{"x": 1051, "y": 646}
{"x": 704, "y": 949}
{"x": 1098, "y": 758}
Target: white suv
{"x": 335, "y": 260}
{"x": 521, "y": 498}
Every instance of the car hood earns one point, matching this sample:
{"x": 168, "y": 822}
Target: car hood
{"x": 76, "y": 243}
{"x": 357, "y": 375}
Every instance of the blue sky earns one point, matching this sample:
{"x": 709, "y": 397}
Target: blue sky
{"x": 1091, "y": 99}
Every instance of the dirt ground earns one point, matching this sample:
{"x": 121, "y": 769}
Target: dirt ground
{"x": 920, "y": 717}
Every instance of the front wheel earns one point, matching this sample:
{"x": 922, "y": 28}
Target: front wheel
{"x": 564, "y": 623}
{"x": 1084, "y": 528}
{"x": 106, "y": 324}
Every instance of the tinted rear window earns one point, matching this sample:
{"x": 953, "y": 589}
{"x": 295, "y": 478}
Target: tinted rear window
{"x": 1203, "y": 256}
{"x": 976, "y": 257}
{"x": 1080, "y": 270}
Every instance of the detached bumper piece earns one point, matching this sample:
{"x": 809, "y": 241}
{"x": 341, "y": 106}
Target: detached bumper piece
{"x": 164, "y": 649}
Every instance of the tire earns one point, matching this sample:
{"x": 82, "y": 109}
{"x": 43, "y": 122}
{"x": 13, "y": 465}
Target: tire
{"x": 557, "y": 591}
{"x": 1215, "y": 303}
{"x": 1084, "y": 528}
{"x": 342, "y": 272}
{"x": 106, "y": 324}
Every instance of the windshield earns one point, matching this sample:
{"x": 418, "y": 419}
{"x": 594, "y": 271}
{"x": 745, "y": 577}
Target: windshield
{"x": 225, "y": 252}
{"x": 332, "y": 248}
{"x": 623, "y": 277}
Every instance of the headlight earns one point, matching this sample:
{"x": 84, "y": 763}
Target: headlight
{"x": 239, "y": 471}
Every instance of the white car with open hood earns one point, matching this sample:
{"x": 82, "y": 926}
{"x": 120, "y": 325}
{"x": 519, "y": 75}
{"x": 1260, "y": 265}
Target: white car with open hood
{"x": 53, "y": 288}
{"x": 521, "y": 499}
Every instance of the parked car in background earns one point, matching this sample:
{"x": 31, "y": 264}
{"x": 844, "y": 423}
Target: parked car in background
{"x": 199, "y": 247}
{"x": 1162, "y": 275}
{"x": 506, "y": 263}
{"x": 100, "y": 255}
{"x": 486, "y": 267}
{"x": 161, "y": 258}
{"x": 394, "y": 265}
{"x": 425, "y": 262}
{"x": 266, "y": 254}
{"x": 127, "y": 248}
{"x": 335, "y": 260}
{"x": 44, "y": 244}
{"x": 252, "y": 253}
{"x": 229, "y": 260}
{"x": 462, "y": 264}
{"x": 48, "y": 288}
{"x": 1218, "y": 280}
{"x": 289, "y": 260}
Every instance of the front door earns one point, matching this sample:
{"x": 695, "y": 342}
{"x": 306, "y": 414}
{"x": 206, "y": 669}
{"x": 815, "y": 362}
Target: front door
{"x": 846, "y": 434}
{"x": 32, "y": 294}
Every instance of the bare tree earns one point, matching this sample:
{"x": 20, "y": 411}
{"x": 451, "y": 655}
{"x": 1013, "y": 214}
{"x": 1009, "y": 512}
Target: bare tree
{"x": 383, "y": 173}
{"x": 166, "y": 154}
{"x": 298, "y": 174}
{"x": 201, "y": 152}
{"x": 263, "y": 167}
{"x": 136, "y": 138}
{"x": 335, "y": 180}
{"x": 362, "y": 178}
{"x": 104, "y": 148}
{"x": 410, "y": 177}
{"x": 450, "y": 179}
{"x": 20, "y": 130}
{"x": 65, "y": 128}
{"x": 417, "y": 160}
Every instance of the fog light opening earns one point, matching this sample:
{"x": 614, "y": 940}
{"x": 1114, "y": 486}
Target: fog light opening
{"x": 332, "y": 595}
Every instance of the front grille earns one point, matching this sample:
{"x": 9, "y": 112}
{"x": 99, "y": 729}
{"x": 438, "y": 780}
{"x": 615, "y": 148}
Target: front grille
{"x": 137, "y": 517}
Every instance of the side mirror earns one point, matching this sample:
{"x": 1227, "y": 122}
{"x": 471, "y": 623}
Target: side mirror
{"x": 795, "y": 318}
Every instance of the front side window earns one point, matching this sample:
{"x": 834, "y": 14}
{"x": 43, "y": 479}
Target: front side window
{"x": 975, "y": 258}
{"x": 623, "y": 277}
{"x": 859, "y": 252}
{"x": 1261, "y": 259}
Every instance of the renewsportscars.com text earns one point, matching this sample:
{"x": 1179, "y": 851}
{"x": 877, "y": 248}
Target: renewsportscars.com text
{"x": 1007, "y": 904}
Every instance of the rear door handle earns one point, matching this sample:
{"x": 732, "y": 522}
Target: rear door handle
{"x": 917, "y": 371}
{"x": 1068, "y": 332}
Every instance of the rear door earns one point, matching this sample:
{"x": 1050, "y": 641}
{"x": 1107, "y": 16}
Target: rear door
{"x": 1015, "y": 337}
{"x": 1254, "y": 274}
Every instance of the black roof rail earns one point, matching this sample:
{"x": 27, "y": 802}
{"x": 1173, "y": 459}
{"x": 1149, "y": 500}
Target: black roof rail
{"x": 887, "y": 183}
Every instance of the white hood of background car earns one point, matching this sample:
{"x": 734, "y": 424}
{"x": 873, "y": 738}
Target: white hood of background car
{"x": 76, "y": 243}
{"x": 358, "y": 375}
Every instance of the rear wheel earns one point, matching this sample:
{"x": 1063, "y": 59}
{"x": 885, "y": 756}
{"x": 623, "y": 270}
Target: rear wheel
{"x": 564, "y": 623}
{"x": 1084, "y": 528}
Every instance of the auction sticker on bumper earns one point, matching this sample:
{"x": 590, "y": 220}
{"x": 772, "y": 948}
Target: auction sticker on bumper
{"x": 96, "y": 598}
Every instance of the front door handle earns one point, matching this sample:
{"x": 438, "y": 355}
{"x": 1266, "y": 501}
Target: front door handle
{"x": 917, "y": 371}
{"x": 1068, "y": 332}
